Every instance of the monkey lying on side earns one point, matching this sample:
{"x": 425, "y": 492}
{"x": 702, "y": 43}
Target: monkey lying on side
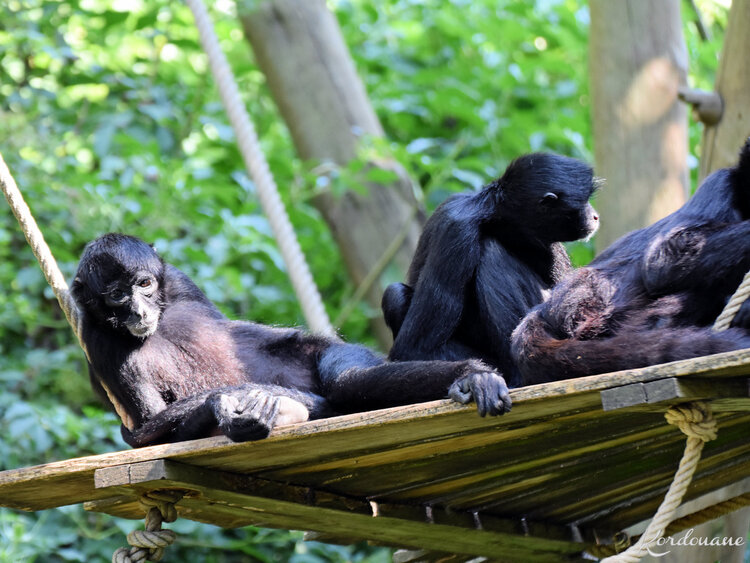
{"x": 652, "y": 296}
{"x": 175, "y": 368}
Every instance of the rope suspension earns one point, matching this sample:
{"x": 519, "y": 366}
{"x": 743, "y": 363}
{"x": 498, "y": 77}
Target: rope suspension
{"x": 41, "y": 251}
{"x": 257, "y": 166}
{"x": 697, "y": 423}
{"x": 730, "y": 310}
{"x": 149, "y": 544}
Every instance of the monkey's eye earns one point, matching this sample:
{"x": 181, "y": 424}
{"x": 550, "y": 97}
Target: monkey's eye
{"x": 117, "y": 295}
{"x": 144, "y": 283}
{"x": 549, "y": 197}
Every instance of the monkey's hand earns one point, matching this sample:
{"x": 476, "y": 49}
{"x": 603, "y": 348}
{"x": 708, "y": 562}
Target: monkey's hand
{"x": 250, "y": 414}
{"x": 485, "y": 387}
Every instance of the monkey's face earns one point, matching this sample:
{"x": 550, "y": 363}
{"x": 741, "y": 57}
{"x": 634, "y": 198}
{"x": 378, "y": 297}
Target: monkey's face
{"x": 546, "y": 197}
{"x": 569, "y": 221}
{"x": 134, "y": 305}
{"x": 119, "y": 284}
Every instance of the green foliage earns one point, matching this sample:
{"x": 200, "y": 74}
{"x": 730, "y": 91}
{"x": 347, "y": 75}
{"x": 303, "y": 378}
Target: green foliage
{"x": 109, "y": 121}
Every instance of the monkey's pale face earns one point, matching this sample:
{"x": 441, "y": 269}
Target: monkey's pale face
{"x": 134, "y": 305}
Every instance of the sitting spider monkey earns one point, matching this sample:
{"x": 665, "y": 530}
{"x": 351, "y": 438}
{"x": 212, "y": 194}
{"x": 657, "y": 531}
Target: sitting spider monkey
{"x": 169, "y": 362}
{"x": 653, "y": 295}
{"x": 486, "y": 258}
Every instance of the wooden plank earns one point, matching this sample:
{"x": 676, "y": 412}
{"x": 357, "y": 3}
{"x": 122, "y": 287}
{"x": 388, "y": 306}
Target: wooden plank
{"x": 671, "y": 390}
{"x": 555, "y": 458}
{"x": 163, "y": 471}
{"x": 232, "y": 493}
{"x": 622, "y": 397}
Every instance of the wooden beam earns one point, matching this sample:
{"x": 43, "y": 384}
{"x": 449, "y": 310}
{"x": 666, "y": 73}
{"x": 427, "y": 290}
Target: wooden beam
{"x": 405, "y": 526}
{"x": 731, "y": 394}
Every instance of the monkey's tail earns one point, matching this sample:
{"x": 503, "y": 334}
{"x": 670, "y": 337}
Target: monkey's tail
{"x": 541, "y": 357}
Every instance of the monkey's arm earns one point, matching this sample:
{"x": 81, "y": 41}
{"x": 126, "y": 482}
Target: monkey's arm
{"x": 245, "y": 412}
{"x": 438, "y": 300}
{"x": 688, "y": 256}
{"x": 354, "y": 379}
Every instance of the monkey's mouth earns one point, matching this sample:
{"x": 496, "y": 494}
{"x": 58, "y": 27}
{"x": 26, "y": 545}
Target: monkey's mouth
{"x": 142, "y": 329}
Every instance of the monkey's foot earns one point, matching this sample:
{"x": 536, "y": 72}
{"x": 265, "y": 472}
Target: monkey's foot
{"x": 485, "y": 387}
{"x": 246, "y": 415}
{"x": 291, "y": 412}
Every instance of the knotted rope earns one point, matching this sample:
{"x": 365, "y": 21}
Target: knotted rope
{"x": 149, "y": 544}
{"x": 697, "y": 422}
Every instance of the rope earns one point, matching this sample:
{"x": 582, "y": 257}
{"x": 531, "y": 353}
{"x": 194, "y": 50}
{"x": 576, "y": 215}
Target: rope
{"x": 257, "y": 166}
{"x": 676, "y": 526}
{"x": 41, "y": 251}
{"x": 696, "y": 421}
{"x": 51, "y": 271}
{"x": 735, "y": 302}
{"x": 149, "y": 544}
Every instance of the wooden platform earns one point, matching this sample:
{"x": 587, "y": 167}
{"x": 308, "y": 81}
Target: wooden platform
{"x": 574, "y": 462}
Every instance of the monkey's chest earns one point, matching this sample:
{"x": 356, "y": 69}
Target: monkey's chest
{"x": 181, "y": 363}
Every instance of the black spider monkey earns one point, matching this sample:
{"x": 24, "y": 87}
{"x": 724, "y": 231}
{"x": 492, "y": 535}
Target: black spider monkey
{"x": 653, "y": 294}
{"x": 484, "y": 259}
{"x": 166, "y": 358}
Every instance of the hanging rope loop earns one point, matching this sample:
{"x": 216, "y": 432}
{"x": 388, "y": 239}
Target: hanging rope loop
{"x": 696, "y": 421}
{"x": 149, "y": 544}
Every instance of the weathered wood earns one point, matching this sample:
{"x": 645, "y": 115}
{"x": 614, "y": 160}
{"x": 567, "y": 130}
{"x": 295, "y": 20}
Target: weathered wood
{"x": 409, "y": 528}
{"x": 625, "y": 396}
{"x": 557, "y": 460}
{"x": 637, "y": 61}
{"x": 671, "y": 390}
{"x": 722, "y": 142}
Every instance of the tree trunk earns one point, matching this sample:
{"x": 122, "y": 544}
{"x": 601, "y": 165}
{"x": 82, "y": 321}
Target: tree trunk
{"x": 722, "y": 142}
{"x": 638, "y": 60}
{"x": 299, "y": 47}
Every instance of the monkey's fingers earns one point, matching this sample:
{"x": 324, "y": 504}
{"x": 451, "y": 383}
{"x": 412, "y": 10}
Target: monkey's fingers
{"x": 460, "y": 391}
{"x": 486, "y": 388}
{"x": 249, "y": 416}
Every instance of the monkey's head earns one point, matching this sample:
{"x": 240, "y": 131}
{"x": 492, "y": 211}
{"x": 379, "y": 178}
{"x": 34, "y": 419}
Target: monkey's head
{"x": 119, "y": 282}
{"x": 546, "y": 196}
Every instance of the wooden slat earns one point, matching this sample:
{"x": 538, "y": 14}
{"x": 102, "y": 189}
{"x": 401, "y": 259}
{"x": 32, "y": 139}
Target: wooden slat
{"x": 240, "y": 494}
{"x": 655, "y": 395}
{"x": 556, "y": 460}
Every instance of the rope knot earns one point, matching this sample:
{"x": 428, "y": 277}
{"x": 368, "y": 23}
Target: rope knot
{"x": 694, "y": 419}
{"x": 149, "y": 544}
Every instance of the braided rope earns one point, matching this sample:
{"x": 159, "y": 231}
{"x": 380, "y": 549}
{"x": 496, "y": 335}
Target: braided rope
{"x": 696, "y": 421}
{"x": 149, "y": 544}
{"x": 51, "y": 271}
{"x": 41, "y": 251}
{"x": 257, "y": 166}
{"x": 735, "y": 302}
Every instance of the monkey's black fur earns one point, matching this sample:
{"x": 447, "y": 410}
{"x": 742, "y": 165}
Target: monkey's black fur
{"x": 651, "y": 296}
{"x": 163, "y": 353}
{"x": 484, "y": 259}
